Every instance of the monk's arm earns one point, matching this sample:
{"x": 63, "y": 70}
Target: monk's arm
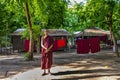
{"x": 50, "y": 47}
{"x": 42, "y": 44}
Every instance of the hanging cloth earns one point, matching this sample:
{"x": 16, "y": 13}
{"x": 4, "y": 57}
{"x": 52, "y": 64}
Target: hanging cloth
{"x": 94, "y": 45}
{"x": 26, "y": 45}
{"x": 55, "y": 46}
{"x": 61, "y": 43}
{"x": 83, "y": 46}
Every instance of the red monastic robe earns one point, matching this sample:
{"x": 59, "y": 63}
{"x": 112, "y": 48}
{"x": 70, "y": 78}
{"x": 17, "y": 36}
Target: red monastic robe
{"x": 46, "y": 60}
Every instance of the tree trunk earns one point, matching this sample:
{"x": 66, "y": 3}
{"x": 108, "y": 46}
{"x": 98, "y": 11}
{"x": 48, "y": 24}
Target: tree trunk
{"x": 38, "y": 45}
{"x": 6, "y": 36}
{"x": 31, "y": 44}
{"x": 112, "y": 34}
{"x": 113, "y": 40}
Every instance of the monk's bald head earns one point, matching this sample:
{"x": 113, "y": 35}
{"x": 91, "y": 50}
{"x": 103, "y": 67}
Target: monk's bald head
{"x": 46, "y": 31}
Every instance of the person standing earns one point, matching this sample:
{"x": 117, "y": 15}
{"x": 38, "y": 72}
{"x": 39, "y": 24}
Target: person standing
{"x": 47, "y": 52}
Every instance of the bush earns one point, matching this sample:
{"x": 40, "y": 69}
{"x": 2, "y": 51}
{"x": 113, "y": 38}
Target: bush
{"x": 3, "y": 41}
{"x": 26, "y": 56}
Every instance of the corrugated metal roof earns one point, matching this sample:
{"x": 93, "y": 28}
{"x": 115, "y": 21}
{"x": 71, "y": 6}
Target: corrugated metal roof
{"x": 93, "y": 32}
{"x": 58, "y": 32}
{"x": 18, "y": 31}
{"x": 52, "y": 32}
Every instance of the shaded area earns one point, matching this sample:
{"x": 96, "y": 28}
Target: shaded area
{"x": 16, "y": 63}
{"x": 83, "y": 72}
{"x": 87, "y": 77}
{"x": 118, "y": 79}
{"x": 12, "y": 65}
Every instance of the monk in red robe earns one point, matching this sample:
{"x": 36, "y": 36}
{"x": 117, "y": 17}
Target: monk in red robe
{"x": 47, "y": 46}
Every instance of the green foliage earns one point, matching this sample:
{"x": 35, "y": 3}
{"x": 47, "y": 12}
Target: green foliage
{"x": 26, "y": 56}
{"x": 49, "y": 13}
{"x": 5, "y": 41}
{"x": 75, "y": 19}
{"x": 103, "y": 13}
{"x": 13, "y": 17}
{"x": 25, "y": 34}
{"x": 56, "y": 14}
{"x": 36, "y": 33}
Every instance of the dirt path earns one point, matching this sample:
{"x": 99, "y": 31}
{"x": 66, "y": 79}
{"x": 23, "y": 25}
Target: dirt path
{"x": 67, "y": 66}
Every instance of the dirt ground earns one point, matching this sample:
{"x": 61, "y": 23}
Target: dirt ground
{"x": 103, "y": 65}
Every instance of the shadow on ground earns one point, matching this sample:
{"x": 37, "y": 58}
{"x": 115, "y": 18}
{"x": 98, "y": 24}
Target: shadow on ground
{"x": 104, "y": 58}
{"x": 88, "y": 72}
{"x": 83, "y": 72}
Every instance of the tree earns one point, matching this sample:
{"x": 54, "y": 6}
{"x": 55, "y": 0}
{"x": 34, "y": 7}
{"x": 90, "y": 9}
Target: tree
{"x": 76, "y": 18}
{"x": 24, "y": 3}
{"x": 105, "y": 13}
{"x": 43, "y": 15}
{"x": 5, "y": 19}
{"x": 31, "y": 47}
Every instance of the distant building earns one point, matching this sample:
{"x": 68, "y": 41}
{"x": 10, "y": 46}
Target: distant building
{"x": 103, "y": 35}
{"x": 91, "y": 32}
{"x": 16, "y": 39}
{"x": 58, "y": 34}
{"x": 18, "y": 42}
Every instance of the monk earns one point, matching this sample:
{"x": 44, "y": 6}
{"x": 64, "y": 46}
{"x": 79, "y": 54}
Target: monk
{"x": 47, "y": 46}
